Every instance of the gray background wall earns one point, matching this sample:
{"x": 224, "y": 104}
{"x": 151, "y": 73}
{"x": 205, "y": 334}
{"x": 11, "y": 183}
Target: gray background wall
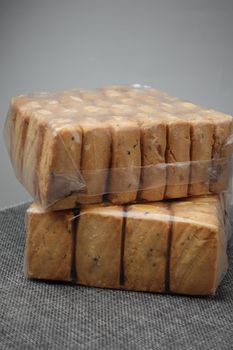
{"x": 182, "y": 46}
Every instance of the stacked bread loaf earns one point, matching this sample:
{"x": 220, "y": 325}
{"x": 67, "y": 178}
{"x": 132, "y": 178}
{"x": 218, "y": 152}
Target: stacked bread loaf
{"x": 177, "y": 247}
{"x": 128, "y": 144}
{"x": 91, "y": 159}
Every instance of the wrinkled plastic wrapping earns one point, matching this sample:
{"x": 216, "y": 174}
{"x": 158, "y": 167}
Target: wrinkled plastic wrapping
{"x": 174, "y": 246}
{"x": 120, "y": 144}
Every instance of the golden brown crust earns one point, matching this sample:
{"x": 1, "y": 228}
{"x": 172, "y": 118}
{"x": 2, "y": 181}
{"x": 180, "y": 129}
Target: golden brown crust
{"x": 19, "y": 134}
{"x": 17, "y": 127}
{"x": 31, "y": 154}
{"x": 30, "y": 123}
{"x": 12, "y": 133}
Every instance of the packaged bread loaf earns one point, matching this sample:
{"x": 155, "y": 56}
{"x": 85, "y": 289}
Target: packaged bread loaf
{"x": 175, "y": 246}
{"x": 120, "y": 144}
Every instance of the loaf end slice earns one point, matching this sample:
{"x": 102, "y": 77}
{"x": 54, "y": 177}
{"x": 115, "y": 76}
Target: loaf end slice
{"x": 49, "y": 248}
{"x": 198, "y": 249}
{"x": 58, "y": 172}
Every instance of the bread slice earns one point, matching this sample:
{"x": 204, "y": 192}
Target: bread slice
{"x": 32, "y": 153}
{"x": 146, "y": 247}
{"x": 153, "y": 147}
{"x": 126, "y": 162}
{"x": 177, "y": 157}
{"x": 198, "y": 258}
{"x": 96, "y": 155}
{"x": 23, "y": 139}
{"x": 202, "y": 132}
{"x": 59, "y": 167}
{"x": 30, "y": 118}
{"x": 16, "y": 130}
{"x": 201, "y": 138}
{"x": 49, "y": 244}
{"x": 98, "y": 246}
{"x": 221, "y": 170}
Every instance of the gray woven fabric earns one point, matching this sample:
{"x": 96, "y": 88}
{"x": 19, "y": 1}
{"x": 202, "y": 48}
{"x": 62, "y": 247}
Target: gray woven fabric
{"x": 39, "y": 315}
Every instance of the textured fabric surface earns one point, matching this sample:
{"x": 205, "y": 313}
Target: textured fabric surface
{"x": 39, "y": 315}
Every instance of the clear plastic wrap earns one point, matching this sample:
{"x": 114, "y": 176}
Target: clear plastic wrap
{"x": 174, "y": 246}
{"x": 121, "y": 144}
